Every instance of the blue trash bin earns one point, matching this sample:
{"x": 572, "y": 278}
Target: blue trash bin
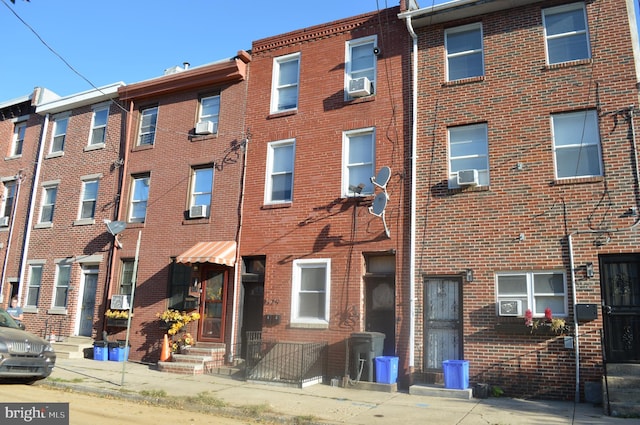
{"x": 100, "y": 350}
{"x": 386, "y": 369}
{"x": 456, "y": 374}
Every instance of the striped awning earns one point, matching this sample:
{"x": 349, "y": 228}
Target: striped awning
{"x": 219, "y": 252}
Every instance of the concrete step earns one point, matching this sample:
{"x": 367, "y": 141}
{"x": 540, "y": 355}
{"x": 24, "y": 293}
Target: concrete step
{"x": 622, "y": 387}
{"x": 73, "y": 347}
{"x": 190, "y": 358}
{"x": 181, "y": 368}
{"x": 436, "y": 390}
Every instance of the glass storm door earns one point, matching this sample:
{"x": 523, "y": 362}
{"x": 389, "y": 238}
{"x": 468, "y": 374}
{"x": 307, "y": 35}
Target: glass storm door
{"x": 212, "y": 305}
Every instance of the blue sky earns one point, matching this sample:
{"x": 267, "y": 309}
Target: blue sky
{"x": 134, "y": 40}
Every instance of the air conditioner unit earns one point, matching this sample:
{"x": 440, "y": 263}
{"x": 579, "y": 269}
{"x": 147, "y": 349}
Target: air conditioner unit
{"x": 467, "y": 177}
{"x": 119, "y": 302}
{"x": 4, "y": 221}
{"x": 359, "y": 87}
{"x": 198, "y": 211}
{"x": 510, "y": 308}
{"x": 206, "y": 127}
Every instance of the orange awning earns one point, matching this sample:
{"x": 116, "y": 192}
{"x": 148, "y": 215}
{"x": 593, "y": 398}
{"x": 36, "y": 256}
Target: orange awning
{"x": 220, "y": 252}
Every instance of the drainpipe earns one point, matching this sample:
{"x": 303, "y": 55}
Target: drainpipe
{"x": 414, "y": 137}
{"x": 575, "y": 317}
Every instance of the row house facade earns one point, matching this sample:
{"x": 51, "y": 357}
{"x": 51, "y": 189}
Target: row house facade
{"x": 526, "y": 191}
{"x": 453, "y": 178}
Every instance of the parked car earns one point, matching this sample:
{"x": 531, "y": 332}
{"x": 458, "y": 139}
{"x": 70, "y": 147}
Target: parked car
{"x": 24, "y": 357}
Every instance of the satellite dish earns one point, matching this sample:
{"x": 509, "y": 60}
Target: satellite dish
{"x": 115, "y": 227}
{"x": 378, "y": 205}
{"x": 382, "y": 178}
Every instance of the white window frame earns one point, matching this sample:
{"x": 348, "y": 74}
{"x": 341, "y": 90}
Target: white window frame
{"x": 575, "y": 33}
{"x": 125, "y": 285}
{"x": 147, "y": 132}
{"x": 61, "y": 284}
{"x": 371, "y": 72}
{"x": 296, "y": 317}
{"x": 587, "y": 140}
{"x": 213, "y": 117}
{"x": 466, "y": 53}
{"x": 17, "y": 143}
{"x": 98, "y": 109}
{"x": 197, "y": 194}
{"x": 478, "y": 160}
{"x": 59, "y": 132}
{"x": 33, "y": 285}
{"x": 277, "y": 87}
{"x": 347, "y": 165}
{"x": 8, "y": 192}
{"x": 272, "y": 149}
{"x": 529, "y": 297}
{"x": 84, "y": 199}
{"x": 46, "y": 203}
{"x": 139, "y": 201}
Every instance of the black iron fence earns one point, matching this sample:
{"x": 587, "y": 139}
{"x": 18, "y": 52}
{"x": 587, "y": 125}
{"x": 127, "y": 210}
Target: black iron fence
{"x": 293, "y": 363}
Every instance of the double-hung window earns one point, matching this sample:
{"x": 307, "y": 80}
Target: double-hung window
{"x": 565, "y": 33}
{"x": 360, "y": 61}
{"x": 33, "y": 285}
{"x": 89, "y": 198}
{"x": 285, "y": 84}
{"x": 126, "y": 277}
{"x": 310, "y": 297}
{"x": 19, "y": 131}
{"x": 49, "y": 194}
{"x": 518, "y": 292}
{"x": 358, "y": 162}
{"x": 148, "y": 122}
{"x": 280, "y": 160}
{"x": 60, "y": 123}
{"x": 139, "y": 198}
{"x": 61, "y": 289}
{"x": 576, "y": 144}
{"x": 210, "y": 111}
{"x": 201, "y": 188}
{"x": 99, "y": 125}
{"x": 465, "y": 58}
{"x": 468, "y": 153}
{"x": 8, "y": 197}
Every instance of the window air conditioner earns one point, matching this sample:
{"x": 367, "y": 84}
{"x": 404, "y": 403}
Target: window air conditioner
{"x": 510, "y": 308}
{"x": 467, "y": 177}
{"x": 359, "y": 87}
{"x": 4, "y": 221}
{"x": 119, "y": 302}
{"x": 198, "y": 211}
{"x": 206, "y": 127}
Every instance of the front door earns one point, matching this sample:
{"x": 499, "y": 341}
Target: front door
{"x": 212, "y": 304}
{"x": 380, "y": 313}
{"x": 620, "y": 280}
{"x": 89, "y": 287}
{"x": 442, "y": 324}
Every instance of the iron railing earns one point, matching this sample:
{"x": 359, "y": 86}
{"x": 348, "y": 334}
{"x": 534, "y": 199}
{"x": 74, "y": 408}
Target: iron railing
{"x": 292, "y": 363}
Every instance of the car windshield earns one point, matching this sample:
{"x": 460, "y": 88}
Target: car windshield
{"x": 6, "y": 321}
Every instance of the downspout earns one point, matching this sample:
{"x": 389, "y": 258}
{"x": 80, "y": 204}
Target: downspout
{"x": 575, "y": 316}
{"x": 32, "y": 207}
{"x": 414, "y": 137}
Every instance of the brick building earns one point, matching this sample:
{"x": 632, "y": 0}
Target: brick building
{"x": 183, "y": 167}
{"x": 325, "y": 115}
{"x": 526, "y": 191}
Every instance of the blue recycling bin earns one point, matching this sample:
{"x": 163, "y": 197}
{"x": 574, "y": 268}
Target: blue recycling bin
{"x": 118, "y": 352}
{"x": 386, "y": 369}
{"x": 456, "y": 374}
{"x": 100, "y": 350}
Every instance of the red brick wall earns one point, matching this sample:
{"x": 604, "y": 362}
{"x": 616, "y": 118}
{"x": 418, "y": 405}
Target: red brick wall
{"x": 319, "y": 223}
{"x": 479, "y": 229}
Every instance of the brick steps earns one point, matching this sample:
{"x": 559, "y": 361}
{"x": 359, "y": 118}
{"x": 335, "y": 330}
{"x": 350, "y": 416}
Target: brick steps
{"x": 196, "y": 360}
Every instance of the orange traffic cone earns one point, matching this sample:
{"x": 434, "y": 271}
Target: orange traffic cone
{"x": 165, "y": 354}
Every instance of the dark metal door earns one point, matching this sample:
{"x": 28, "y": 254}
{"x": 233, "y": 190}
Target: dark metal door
{"x": 380, "y": 314}
{"x": 253, "y": 303}
{"x": 442, "y": 324}
{"x": 620, "y": 280}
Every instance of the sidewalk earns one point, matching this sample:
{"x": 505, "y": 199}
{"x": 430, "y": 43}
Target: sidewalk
{"x": 319, "y": 404}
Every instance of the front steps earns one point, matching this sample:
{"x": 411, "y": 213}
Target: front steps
{"x": 203, "y": 358}
{"x": 73, "y": 347}
{"x": 623, "y": 383}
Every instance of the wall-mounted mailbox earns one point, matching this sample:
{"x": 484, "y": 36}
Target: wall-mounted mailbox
{"x": 272, "y": 319}
{"x": 586, "y": 312}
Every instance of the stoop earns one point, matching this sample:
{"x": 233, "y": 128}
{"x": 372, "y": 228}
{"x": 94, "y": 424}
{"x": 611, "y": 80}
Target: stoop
{"x": 440, "y": 391}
